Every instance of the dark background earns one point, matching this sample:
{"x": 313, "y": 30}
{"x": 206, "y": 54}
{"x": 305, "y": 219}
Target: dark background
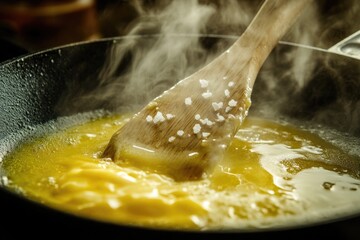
{"x": 40, "y": 24}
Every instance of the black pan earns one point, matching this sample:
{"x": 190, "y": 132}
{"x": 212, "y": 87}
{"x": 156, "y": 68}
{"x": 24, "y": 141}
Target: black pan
{"x": 39, "y": 87}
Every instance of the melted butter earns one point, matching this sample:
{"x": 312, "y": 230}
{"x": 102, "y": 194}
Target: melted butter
{"x": 272, "y": 175}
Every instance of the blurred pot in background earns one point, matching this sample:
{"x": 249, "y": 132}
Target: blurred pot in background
{"x": 39, "y": 24}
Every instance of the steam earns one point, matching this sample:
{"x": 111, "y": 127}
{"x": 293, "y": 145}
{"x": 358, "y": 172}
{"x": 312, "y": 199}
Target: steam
{"x": 159, "y": 58}
{"x": 166, "y": 43}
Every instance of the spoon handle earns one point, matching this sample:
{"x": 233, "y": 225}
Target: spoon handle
{"x": 268, "y": 26}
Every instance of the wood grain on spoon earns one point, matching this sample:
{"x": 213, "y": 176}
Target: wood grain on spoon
{"x": 184, "y": 131}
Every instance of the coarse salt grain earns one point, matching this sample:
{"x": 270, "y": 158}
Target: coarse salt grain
{"x": 171, "y": 139}
{"x": 202, "y": 121}
{"x": 188, "y": 101}
{"x": 196, "y": 128}
{"x": 227, "y": 93}
{"x": 210, "y": 123}
{"x": 228, "y": 109}
{"x": 197, "y": 117}
{"x": 169, "y": 116}
{"x": 231, "y": 84}
{"x": 204, "y": 83}
{"x": 149, "y": 118}
{"x": 158, "y": 118}
{"x": 206, "y": 94}
{"x": 180, "y": 133}
{"x": 220, "y": 118}
{"x": 217, "y": 105}
{"x": 206, "y": 121}
{"x": 205, "y": 134}
{"x": 232, "y": 103}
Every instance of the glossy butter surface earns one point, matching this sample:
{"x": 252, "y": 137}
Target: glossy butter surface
{"x": 272, "y": 175}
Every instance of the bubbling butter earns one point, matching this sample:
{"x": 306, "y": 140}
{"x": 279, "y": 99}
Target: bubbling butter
{"x": 272, "y": 175}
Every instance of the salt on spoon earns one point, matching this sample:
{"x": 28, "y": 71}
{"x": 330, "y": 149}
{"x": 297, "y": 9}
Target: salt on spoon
{"x": 184, "y": 131}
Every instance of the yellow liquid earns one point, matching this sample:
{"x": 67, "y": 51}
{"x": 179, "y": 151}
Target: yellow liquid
{"x": 272, "y": 175}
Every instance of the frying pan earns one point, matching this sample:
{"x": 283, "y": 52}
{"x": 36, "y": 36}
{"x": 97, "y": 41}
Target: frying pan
{"x": 39, "y": 87}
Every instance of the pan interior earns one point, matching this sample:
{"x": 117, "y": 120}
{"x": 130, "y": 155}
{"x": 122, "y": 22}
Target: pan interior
{"x": 274, "y": 175}
{"x": 64, "y": 105}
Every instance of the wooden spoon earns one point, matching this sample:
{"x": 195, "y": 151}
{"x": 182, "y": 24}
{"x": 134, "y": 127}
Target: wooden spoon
{"x": 184, "y": 131}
